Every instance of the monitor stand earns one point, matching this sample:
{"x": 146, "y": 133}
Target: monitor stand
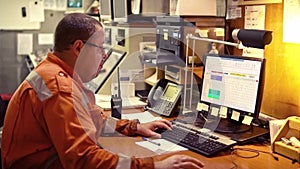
{"x": 231, "y": 126}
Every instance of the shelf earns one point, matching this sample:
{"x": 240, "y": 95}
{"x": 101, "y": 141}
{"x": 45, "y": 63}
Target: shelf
{"x": 152, "y": 74}
{"x": 206, "y": 21}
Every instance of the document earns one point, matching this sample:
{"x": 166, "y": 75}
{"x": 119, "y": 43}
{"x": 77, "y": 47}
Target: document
{"x": 130, "y": 102}
{"x": 143, "y": 117}
{"x": 160, "y": 146}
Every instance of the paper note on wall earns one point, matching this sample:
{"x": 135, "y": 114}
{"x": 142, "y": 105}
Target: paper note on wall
{"x": 25, "y": 43}
{"x": 36, "y": 8}
{"x": 291, "y": 21}
{"x": 45, "y": 39}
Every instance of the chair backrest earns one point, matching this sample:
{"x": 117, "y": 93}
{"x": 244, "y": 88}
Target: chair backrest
{"x": 2, "y": 111}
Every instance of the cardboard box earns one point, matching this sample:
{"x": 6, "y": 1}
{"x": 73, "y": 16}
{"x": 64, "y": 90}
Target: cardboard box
{"x": 291, "y": 128}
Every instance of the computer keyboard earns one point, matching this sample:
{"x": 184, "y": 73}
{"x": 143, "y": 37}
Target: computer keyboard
{"x": 199, "y": 140}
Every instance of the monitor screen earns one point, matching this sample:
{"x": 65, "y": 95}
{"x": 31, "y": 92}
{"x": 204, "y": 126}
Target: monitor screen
{"x": 120, "y": 10}
{"x": 233, "y": 82}
{"x": 106, "y": 9}
{"x": 113, "y": 60}
{"x": 171, "y": 92}
{"x": 75, "y": 4}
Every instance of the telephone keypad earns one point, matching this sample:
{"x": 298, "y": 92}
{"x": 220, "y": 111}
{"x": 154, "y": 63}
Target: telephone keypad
{"x": 164, "y": 106}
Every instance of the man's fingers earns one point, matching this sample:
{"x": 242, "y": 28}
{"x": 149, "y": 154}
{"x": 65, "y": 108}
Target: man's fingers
{"x": 167, "y": 122}
{"x": 193, "y": 160}
{"x": 163, "y": 125}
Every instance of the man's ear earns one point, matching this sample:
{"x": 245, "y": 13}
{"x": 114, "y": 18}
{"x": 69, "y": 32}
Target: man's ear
{"x": 76, "y": 47}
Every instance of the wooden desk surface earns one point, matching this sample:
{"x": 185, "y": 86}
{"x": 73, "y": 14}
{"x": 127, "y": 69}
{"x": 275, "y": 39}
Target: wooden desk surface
{"x": 127, "y": 146}
{"x": 224, "y": 160}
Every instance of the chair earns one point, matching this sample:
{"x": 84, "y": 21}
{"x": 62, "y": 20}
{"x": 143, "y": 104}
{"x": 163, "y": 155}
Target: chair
{"x": 2, "y": 115}
{"x": 2, "y": 111}
{"x": 4, "y": 100}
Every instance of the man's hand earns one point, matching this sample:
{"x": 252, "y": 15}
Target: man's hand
{"x": 147, "y": 129}
{"x": 179, "y": 162}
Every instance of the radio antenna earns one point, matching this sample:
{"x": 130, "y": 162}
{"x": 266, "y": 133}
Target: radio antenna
{"x": 118, "y": 76}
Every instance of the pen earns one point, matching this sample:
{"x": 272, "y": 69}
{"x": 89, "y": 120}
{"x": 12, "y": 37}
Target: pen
{"x": 151, "y": 141}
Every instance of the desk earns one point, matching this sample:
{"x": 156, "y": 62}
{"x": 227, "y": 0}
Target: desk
{"x": 127, "y": 146}
{"x": 224, "y": 160}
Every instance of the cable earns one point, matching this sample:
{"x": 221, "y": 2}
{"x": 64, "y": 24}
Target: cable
{"x": 256, "y": 154}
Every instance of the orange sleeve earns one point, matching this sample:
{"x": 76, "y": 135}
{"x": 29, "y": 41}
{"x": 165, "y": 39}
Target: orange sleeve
{"x": 127, "y": 127}
{"x": 142, "y": 163}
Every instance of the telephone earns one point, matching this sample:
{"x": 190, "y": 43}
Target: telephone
{"x": 164, "y": 97}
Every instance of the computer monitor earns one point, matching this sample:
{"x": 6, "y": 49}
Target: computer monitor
{"x": 75, "y": 6}
{"x": 106, "y": 10}
{"x": 110, "y": 64}
{"x": 121, "y": 10}
{"x": 233, "y": 84}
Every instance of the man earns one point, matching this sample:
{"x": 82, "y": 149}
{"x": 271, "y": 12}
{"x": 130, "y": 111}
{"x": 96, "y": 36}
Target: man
{"x": 52, "y": 120}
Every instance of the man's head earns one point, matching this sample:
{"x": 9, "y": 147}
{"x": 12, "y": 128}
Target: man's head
{"x": 74, "y": 27}
{"x": 79, "y": 42}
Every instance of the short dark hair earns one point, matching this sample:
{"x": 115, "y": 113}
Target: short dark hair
{"x": 75, "y": 26}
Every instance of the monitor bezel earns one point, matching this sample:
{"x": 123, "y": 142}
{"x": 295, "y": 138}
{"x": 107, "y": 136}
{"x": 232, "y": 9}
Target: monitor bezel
{"x": 107, "y": 16}
{"x": 259, "y": 96}
{"x": 127, "y": 11}
{"x": 104, "y": 75}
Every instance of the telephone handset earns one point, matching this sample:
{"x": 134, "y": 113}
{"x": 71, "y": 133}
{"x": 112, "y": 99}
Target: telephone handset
{"x": 164, "y": 97}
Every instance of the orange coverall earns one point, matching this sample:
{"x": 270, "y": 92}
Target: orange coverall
{"x": 52, "y": 122}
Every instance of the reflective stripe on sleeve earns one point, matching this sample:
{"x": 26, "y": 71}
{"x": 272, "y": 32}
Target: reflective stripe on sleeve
{"x": 124, "y": 162}
{"x": 39, "y": 86}
{"x": 110, "y": 125}
{"x": 85, "y": 101}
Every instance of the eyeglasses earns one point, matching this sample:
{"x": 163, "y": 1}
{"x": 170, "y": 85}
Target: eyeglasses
{"x": 91, "y": 44}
